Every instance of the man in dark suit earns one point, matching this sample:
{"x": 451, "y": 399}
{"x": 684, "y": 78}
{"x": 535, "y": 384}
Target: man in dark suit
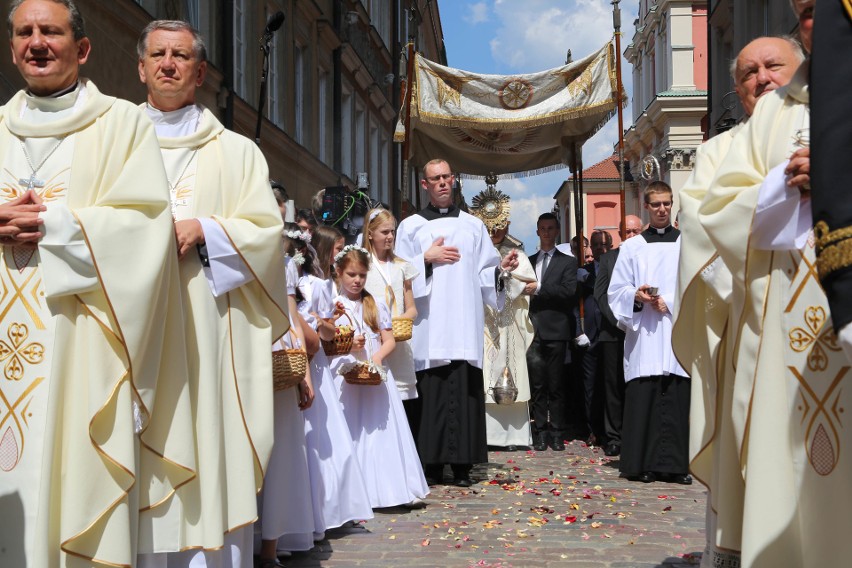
{"x": 611, "y": 350}
{"x": 551, "y": 312}
{"x": 593, "y": 392}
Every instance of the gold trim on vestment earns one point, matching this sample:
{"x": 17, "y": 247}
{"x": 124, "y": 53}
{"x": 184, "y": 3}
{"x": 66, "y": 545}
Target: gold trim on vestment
{"x": 834, "y": 250}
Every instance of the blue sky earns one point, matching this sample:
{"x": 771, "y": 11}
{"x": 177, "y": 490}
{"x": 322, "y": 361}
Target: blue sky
{"x": 522, "y": 36}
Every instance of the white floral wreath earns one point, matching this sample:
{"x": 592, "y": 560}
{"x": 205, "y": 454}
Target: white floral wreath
{"x": 301, "y": 235}
{"x": 348, "y": 248}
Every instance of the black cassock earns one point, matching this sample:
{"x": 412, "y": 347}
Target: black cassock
{"x": 452, "y": 423}
{"x": 831, "y": 143}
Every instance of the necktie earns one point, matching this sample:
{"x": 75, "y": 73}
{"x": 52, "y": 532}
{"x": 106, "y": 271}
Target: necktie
{"x": 544, "y": 264}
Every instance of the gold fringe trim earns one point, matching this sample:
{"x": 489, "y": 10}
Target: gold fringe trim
{"x": 834, "y": 257}
{"x": 848, "y": 5}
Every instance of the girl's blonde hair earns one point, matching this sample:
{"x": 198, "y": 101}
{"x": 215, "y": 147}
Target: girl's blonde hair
{"x": 370, "y": 311}
{"x": 375, "y": 219}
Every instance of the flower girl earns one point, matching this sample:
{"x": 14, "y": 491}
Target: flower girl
{"x": 338, "y": 491}
{"x": 390, "y": 278}
{"x": 374, "y": 413}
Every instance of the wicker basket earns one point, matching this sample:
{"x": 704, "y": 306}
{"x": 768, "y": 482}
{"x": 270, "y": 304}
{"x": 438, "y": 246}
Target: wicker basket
{"x": 289, "y": 367}
{"x": 342, "y": 342}
{"x": 362, "y": 375}
{"x": 402, "y": 328}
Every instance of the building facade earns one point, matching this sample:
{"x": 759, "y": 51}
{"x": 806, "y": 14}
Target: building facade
{"x": 332, "y": 90}
{"x": 601, "y": 201}
{"x": 669, "y": 57}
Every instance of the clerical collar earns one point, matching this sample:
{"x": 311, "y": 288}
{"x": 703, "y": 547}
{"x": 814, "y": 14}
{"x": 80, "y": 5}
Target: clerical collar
{"x": 656, "y": 231}
{"x": 58, "y": 101}
{"x": 432, "y": 212}
{"x": 665, "y": 235}
{"x": 175, "y": 123}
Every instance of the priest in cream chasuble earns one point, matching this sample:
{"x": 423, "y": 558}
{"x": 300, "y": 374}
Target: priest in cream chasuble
{"x": 231, "y": 260}
{"x": 508, "y": 331}
{"x": 91, "y": 340}
{"x": 700, "y": 339}
{"x": 790, "y": 394}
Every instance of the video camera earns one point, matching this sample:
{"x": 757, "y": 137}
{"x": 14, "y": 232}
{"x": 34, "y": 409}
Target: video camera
{"x": 346, "y": 208}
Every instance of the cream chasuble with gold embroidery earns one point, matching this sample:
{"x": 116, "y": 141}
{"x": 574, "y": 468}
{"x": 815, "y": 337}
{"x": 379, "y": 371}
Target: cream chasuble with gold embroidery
{"x": 700, "y": 342}
{"x": 790, "y": 394}
{"x": 86, "y": 331}
{"x": 221, "y": 179}
{"x": 508, "y": 334}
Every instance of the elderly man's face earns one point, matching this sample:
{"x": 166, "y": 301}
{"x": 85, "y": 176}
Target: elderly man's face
{"x": 632, "y": 226}
{"x": 438, "y": 183}
{"x": 43, "y": 46}
{"x": 762, "y": 66}
{"x": 171, "y": 70}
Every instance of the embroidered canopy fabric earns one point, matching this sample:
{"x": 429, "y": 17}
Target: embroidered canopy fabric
{"x": 507, "y": 123}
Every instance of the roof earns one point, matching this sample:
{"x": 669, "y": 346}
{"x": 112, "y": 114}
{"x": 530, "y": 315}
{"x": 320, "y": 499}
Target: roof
{"x": 603, "y": 170}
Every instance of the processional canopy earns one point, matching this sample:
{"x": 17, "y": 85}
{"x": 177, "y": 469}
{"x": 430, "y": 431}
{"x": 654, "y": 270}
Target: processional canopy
{"x": 507, "y": 124}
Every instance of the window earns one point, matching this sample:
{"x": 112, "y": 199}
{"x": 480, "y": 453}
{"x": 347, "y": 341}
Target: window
{"x": 323, "y": 102}
{"x": 300, "y": 77}
{"x": 240, "y": 33}
{"x": 360, "y": 141}
{"x": 273, "y": 84}
{"x": 346, "y": 132}
{"x": 376, "y": 181}
{"x": 193, "y": 13}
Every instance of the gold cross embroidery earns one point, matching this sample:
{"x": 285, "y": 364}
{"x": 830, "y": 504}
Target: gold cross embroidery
{"x": 19, "y": 351}
{"x": 811, "y": 336}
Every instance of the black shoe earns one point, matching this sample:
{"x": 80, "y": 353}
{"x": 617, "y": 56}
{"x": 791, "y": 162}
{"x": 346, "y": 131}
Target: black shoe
{"x": 540, "y": 444}
{"x": 612, "y": 449}
{"x": 557, "y": 445}
{"x": 511, "y": 448}
{"x": 647, "y": 477}
{"x": 681, "y": 478}
{"x": 463, "y": 482}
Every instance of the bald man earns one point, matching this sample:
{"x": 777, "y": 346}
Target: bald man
{"x": 705, "y": 288}
{"x": 612, "y": 344}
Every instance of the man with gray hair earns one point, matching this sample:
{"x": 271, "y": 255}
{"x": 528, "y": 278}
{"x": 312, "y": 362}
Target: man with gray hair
{"x": 92, "y": 333}
{"x": 704, "y": 285}
{"x": 791, "y": 385}
{"x": 228, "y": 231}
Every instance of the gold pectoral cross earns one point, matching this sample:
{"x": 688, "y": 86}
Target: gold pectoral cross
{"x": 31, "y": 183}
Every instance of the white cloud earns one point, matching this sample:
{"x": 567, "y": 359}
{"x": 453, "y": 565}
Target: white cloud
{"x": 537, "y": 34}
{"x": 476, "y": 13}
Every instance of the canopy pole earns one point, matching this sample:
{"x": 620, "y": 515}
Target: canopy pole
{"x": 406, "y": 95}
{"x": 616, "y": 24}
{"x": 578, "y": 223}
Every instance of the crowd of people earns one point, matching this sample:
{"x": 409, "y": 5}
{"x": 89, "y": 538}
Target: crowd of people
{"x": 151, "y": 282}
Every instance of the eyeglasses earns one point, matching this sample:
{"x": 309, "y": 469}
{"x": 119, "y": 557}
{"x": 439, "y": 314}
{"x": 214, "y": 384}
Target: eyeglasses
{"x": 439, "y": 177}
{"x": 637, "y": 231}
{"x": 656, "y": 204}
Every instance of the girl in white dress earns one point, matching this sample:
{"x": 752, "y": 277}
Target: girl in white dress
{"x": 285, "y": 504}
{"x": 338, "y": 491}
{"x": 390, "y": 278}
{"x": 383, "y": 441}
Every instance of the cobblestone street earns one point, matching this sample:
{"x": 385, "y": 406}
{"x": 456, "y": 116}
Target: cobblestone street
{"x": 531, "y": 509}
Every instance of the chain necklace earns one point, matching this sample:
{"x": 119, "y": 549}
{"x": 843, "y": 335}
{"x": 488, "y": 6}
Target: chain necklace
{"x": 33, "y": 182}
{"x": 173, "y": 186}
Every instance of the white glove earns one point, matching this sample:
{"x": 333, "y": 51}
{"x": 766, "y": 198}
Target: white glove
{"x": 582, "y": 340}
{"x": 845, "y": 338}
